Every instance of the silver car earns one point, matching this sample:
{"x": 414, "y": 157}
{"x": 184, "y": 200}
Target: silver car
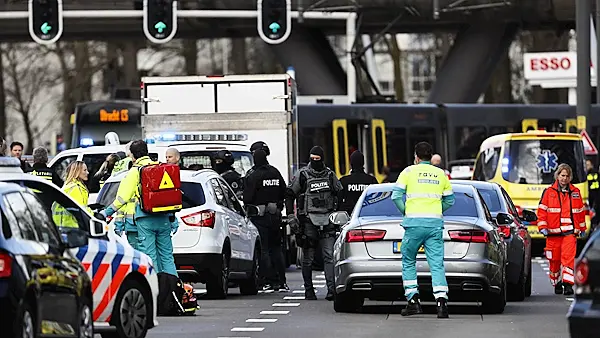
{"x": 368, "y": 261}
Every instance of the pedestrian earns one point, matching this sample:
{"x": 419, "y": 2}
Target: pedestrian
{"x": 428, "y": 194}
{"x": 436, "y": 160}
{"x": 224, "y": 167}
{"x": 75, "y": 186}
{"x": 561, "y": 218}
{"x": 355, "y": 183}
{"x": 40, "y": 167}
{"x": 317, "y": 191}
{"x": 2, "y": 147}
{"x": 153, "y": 230}
{"x": 106, "y": 169}
{"x": 265, "y": 188}
{"x": 173, "y": 157}
{"x": 594, "y": 191}
{"x": 16, "y": 150}
{"x": 126, "y": 161}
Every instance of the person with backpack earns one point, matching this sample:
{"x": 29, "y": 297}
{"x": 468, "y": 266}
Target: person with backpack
{"x": 154, "y": 229}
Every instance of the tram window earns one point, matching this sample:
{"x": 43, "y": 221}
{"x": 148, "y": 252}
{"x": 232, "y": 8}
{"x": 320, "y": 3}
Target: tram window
{"x": 423, "y": 135}
{"x": 398, "y": 157}
{"x": 469, "y": 140}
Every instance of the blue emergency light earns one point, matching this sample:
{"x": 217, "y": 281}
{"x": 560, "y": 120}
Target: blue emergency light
{"x": 86, "y": 142}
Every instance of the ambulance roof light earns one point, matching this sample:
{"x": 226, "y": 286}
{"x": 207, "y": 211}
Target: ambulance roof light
{"x": 170, "y": 137}
{"x": 9, "y": 162}
{"x": 111, "y": 138}
{"x": 86, "y": 142}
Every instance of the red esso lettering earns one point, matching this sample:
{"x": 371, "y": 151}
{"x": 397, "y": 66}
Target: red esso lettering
{"x": 550, "y": 64}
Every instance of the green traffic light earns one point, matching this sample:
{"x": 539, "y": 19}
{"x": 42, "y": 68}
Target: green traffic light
{"x": 160, "y": 26}
{"x": 274, "y": 27}
{"x": 45, "y": 28}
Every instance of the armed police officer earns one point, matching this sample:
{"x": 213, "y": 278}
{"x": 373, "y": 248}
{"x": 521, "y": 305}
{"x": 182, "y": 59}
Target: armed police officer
{"x": 40, "y": 167}
{"x": 355, "y": 183}
{"x": 265, "y": 188}
{"x": 316, "y": 190}
{"x": 224, "y": 167}
{"x": 428, "y": 194}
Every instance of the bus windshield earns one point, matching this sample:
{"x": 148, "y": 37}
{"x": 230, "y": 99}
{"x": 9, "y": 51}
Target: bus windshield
{"x": 534, "y": 161}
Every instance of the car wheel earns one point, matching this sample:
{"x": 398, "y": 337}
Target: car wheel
{"x": 26, "y": 325}
{"x": 347, "y": 302}
{"x": 250, "y": 286}
{"x": 494, "y": 303}
{"x": 528, "y": 282}
{"x": 516, "y": 292}
{"x": 86, "y": 321}
{"x": 217, "y": 286}
{"x": 131, "y": 312}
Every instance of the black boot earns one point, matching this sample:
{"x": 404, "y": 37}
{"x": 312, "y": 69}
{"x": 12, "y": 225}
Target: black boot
{"x": 413, "y": 307}
{"x": 442, "y": 308}
{"x": 558, "y": 288}
{"x": 330, "y": 295}
{"x": 568, "y": 289}
{"x": 309, "y": 294}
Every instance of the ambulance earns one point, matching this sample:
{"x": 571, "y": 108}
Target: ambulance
{"x": 524, "y": 164}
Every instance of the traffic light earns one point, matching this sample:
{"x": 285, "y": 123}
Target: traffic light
{"x": 45, "y": 20}
{"x": 571, "y": 126}
{"x": 160, "y": 20}
{"x": 274, "y": 20}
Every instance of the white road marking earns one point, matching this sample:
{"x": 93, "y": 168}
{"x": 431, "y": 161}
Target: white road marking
{"x": 546, "y": 269}
{"x": 285, "y": 304}
{"x": 298, "y": 291}
{"x": 320, "y": 286}
{"x": 320, "y": 276}
{"x": 261, "y": 320}
{"x": 248, "y": 329}
{"x": 198, "y": 291}
{"x": 267, "y": 291}
{"x": 570, "y": 299}
{"x": 293, "y": 297}
{"x": 548, "y": 272}
{"x": 319, "y": 281}
{"x": 268, "y": 312}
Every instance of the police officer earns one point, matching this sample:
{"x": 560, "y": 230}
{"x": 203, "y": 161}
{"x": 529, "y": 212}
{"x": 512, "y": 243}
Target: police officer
{"x": 40, "y": 167}
{"x": 428, "y": 193}
{"x": 355, "y": 183}
{"x": 316, "y": 190}
{"x": 594, "y": 190}
{"x": 224, "y": 167}
{"x": 265, "y": 188}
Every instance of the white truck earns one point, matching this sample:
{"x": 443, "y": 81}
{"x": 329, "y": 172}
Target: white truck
{"x": 224, "y": 112}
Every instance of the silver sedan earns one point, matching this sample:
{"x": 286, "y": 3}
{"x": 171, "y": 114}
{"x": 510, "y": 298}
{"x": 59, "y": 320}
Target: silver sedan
{"x": 368, "y": 261}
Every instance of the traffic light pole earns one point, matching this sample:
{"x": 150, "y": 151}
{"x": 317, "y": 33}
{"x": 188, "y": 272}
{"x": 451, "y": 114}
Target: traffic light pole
{"x": 584, "y": 92}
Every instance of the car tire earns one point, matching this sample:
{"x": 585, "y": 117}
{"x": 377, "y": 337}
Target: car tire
{"x": 347, "y": 302}
{"x": 516, "y": 292}
{"x": 494, "y": 303}
{"x": 131, "y": 312}
{"x": 86, "y": 320}
{"x": 528, "y": 282}
{"x": 249, "y": 287}
{"x": 217, "y": 286}
{"x": 26, "y": 324}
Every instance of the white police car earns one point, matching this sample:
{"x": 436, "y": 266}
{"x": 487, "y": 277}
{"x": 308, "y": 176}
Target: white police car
{"x": 124, "y": 283}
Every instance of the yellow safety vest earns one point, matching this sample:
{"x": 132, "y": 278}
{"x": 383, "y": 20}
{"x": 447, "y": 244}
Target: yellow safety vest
{"x": 425, "y": 186}
{"x": 61, "y": 216}
{"x": 592, "y": 179}
{"x": 42, "y": 174}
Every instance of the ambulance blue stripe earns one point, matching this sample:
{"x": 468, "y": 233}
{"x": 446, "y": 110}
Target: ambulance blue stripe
{"x": 135, "y": 263}
{"x": 118, "y": 258}
{"x": 102, "y": 247}
{"x": 81, "y": 252}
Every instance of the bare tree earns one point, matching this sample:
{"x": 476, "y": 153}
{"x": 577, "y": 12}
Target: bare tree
{"x": 396, "y": 55}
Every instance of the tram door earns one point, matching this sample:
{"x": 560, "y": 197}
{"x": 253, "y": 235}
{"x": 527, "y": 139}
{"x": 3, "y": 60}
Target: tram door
{"x": 368, "y": 137}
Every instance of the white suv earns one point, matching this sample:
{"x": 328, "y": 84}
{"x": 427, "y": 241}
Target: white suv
{"x": 216, "y": 243}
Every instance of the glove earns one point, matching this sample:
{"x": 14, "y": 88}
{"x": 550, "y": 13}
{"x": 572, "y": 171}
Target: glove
{"x": 294, "y": 224}
{"x": 174, "y": 227}
{"x": 544, "y": 232}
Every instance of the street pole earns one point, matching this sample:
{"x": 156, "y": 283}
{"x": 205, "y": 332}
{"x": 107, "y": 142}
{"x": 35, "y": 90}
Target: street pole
{"x": 584, "y": 94}
{"x": 596, "y": 66}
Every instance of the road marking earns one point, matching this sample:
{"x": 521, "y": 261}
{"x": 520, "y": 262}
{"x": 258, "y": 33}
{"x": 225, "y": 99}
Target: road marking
{"x": 261, "y": 320}
{"x": 546, "y": 269}
{"x": 267, "y": 291}
{"x": 248, "y": 329}
{"x": 320, "y": 286}
{"x": 198, "y": 291}
{"x": 234, "y": 337}
{"x": 293, "y": 297}
{"x": 570, "y": 299}
{"x": 320, "y": 276}
{"x": 267, "y": 312}
{"x": 298, "y": 291}
{"x": 285, "y": 304}
{"x": 548, "y": 272}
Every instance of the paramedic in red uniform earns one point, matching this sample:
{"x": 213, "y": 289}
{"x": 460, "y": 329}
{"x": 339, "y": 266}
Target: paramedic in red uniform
{"x": 561, "y": 218}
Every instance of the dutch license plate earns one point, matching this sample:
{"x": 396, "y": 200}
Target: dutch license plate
{"x": 398, "y": 245}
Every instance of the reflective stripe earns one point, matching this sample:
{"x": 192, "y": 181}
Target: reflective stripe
{"x": 566, "y": 228}
{"x": 437, "y": 196}
{"x": 440, "y": 289}
{"x": 554, "y": 231}
{"x": 121, "y": 200}
{"x": 582, "y": 225}
{"x": 411, "y": 282}
{"x": 447, "y": 193}
{"x": 416, "y": 214}
{"x": 577, "y": 210}
{"x": 410, "y": 290}
{"x": 543, "y": 207}
{"x": 542, "y": 223}
{"x": 567, "y": 269}
{"x": 440, "y": 294}
{"x": 554, "y": 210}
{"x": 565, "y": 220}
{"x": 568, "y": 278}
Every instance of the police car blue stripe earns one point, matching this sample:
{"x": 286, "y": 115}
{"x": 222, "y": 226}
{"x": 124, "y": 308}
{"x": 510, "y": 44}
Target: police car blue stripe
{"x": 118, "y": 258}
{"x": 135, "y": 263}
{"x": 102, "y": 247}
{"x": 81, "y": 252}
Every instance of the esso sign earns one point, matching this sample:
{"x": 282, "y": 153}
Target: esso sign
{"x": 553, "y": 63}
{"x": 556, "y": 66}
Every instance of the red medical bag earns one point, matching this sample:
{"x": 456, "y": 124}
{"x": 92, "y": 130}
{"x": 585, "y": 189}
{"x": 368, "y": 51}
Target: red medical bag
{"x": 160, "y": 188}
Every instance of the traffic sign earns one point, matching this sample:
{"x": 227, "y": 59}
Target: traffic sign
{"x": 588, "y": 145}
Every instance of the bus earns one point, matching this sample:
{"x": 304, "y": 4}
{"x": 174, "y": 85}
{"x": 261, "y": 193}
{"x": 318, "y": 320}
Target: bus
{"x": 92, "y": 120}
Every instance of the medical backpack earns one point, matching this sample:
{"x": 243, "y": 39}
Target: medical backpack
{"x": 160, "y": 188}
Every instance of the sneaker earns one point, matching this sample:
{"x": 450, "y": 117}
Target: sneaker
{"x": 284, "y": 288}
{"x": 558, "y": 288}
{"x": 568, "y": 289}
{"x": 442, "y": 308}
{"x": 413, "y": 307}
{"x": 267, "y": 287}
{"x": 309, "y": 294}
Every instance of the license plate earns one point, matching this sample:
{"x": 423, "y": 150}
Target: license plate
{"x": 398, "y": 245}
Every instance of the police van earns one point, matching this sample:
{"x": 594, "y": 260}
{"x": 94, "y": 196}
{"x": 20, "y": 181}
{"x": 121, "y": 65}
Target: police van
{"x": 124, "y": 282}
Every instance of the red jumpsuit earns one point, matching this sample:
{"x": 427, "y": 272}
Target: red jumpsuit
{"x": 561, "y": 213}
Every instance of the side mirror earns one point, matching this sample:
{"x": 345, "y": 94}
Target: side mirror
{"x": 251, "y": 210}
{"x": 529, "y": 216}
{"x": 504, "y": 219}
{"x": 96, "y": 206}
{"x": 75, "y": 238}
{"x": 339, "y": 218}
{"x": 98, "y": 228}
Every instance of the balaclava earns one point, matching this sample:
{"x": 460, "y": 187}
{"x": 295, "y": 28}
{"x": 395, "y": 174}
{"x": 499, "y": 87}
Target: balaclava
{"x": 357, "y": 161}
{"x": 260, "y": 157}
{"x": 317, "y": 165}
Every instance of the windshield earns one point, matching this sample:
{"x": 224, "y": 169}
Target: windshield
{"x": 193, "y": 194}
{"x": 491, "y": 198}
{"x": 381, "y": 204}
{"x": 243, "y": 160}
{"x": 534, "y": 161}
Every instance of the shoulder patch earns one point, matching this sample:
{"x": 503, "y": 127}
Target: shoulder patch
{"x": 575, "y": 195}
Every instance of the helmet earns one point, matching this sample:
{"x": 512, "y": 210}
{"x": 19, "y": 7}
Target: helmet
{"x": 260, "y": 145}
{"x": 111, "y": 138}
{"x": 224, "y": 156}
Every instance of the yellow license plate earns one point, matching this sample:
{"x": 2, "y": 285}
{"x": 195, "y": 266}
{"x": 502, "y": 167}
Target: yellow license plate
{"x": 398, "y": 245}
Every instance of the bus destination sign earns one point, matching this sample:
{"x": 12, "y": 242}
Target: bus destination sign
{"x": 114, "y": 116}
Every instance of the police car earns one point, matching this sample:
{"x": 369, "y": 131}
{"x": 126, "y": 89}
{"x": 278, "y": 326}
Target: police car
{"x": 124, "y": 283}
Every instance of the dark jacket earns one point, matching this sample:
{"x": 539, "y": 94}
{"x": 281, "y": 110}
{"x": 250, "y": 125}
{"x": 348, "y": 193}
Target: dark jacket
{"x": 354, "y": 185}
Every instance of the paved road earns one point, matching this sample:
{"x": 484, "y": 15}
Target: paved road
{"x": 540, "y": 316}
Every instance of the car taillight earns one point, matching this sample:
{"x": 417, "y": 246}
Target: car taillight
{"x": 474, "y": 236}
{"x": 5, "y": 265}
{"x": 366, "y": 235}
{"x": 505, "y": 230}
{"x": 204, "y": 218}
{"x": 582, "y": 271}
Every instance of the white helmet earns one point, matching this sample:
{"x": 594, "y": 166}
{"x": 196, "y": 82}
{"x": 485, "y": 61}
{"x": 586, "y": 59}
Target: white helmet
{"x": 127, "y": 150}
{"x": 111, "y": 138}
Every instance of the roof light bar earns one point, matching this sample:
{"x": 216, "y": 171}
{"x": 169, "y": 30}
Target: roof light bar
{"x": 170, "y": 137}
